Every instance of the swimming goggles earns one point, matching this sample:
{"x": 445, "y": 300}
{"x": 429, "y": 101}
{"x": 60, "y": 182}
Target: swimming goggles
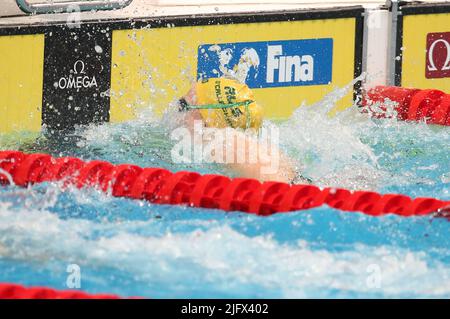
{"x": 185, "y": 106}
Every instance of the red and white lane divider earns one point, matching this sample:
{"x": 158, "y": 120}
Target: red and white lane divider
{"x": 430, "y": 106}
{"x": 160, "y": 186}
{"x": 14, "y": 291}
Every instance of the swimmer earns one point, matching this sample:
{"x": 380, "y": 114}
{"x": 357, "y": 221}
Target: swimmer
{"x": 225, "y": 103}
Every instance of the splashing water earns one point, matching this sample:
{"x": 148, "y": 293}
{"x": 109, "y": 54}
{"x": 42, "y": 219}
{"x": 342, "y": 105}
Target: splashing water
{"x": 134, "y": 248}
{"x": 328, "y": 145}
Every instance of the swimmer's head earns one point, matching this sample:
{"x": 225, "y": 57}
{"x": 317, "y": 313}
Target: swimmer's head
{"x": 223, "y": 103}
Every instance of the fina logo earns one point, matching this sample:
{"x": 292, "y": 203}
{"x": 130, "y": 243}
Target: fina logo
{"x": 270, "y": 63}
{"x": 303, "y": 66}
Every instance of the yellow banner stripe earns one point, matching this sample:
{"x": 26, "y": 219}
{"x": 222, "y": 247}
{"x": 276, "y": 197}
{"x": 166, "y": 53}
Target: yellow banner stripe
{"x": 21, "y": 76}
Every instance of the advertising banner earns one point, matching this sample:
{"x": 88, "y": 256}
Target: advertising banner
{"x": 423, "y": 47}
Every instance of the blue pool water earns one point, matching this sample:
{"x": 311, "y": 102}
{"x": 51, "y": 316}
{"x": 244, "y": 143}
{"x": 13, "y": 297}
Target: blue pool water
{"x": 133, "y": 248}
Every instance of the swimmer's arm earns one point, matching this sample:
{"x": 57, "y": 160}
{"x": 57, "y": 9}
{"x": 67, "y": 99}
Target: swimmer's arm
{"x": 270, "y": 165}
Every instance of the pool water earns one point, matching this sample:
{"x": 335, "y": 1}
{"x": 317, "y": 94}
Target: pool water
{"x": 134, "y": 248}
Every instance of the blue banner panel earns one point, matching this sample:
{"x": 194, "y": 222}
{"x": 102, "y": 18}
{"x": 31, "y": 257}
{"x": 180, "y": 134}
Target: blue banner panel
{"x": 269, "y": 63}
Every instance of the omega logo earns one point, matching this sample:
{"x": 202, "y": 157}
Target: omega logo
{"x": 437, "y": 55}
{"x": 432, "y": 66}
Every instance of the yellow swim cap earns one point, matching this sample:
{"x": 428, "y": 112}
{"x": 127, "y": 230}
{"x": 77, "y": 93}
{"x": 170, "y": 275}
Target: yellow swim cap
{"x": 228, "y": 91}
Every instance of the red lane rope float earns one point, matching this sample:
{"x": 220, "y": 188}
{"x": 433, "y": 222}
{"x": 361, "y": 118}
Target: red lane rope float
{"x": 160, "y": 186}
{"x": 431, "y": 106}
{"x": 14, "y": 291}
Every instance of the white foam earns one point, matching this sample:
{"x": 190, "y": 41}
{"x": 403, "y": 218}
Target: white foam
{"x": 220, "y": 256}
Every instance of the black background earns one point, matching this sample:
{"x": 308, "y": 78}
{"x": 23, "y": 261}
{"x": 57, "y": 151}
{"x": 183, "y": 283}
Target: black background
{"x": 284, "y": 309}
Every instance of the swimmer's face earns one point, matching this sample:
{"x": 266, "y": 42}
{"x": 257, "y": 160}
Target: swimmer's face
{"x": 191, "y": 96}
{"x": 191, "y": 116}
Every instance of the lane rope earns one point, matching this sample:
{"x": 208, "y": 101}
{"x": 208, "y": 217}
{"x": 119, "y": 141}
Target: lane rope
{"x": 15, "y": 291}
{"x": 160, "y": 186}
{"x": 429, "y": 106}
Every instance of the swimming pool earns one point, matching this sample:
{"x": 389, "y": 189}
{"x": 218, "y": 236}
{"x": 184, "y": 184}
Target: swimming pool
{"x": 134, "y": 248}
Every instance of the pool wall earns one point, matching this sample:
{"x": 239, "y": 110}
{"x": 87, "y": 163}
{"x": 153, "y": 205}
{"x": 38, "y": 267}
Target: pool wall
{"x": 61, "y": 70}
